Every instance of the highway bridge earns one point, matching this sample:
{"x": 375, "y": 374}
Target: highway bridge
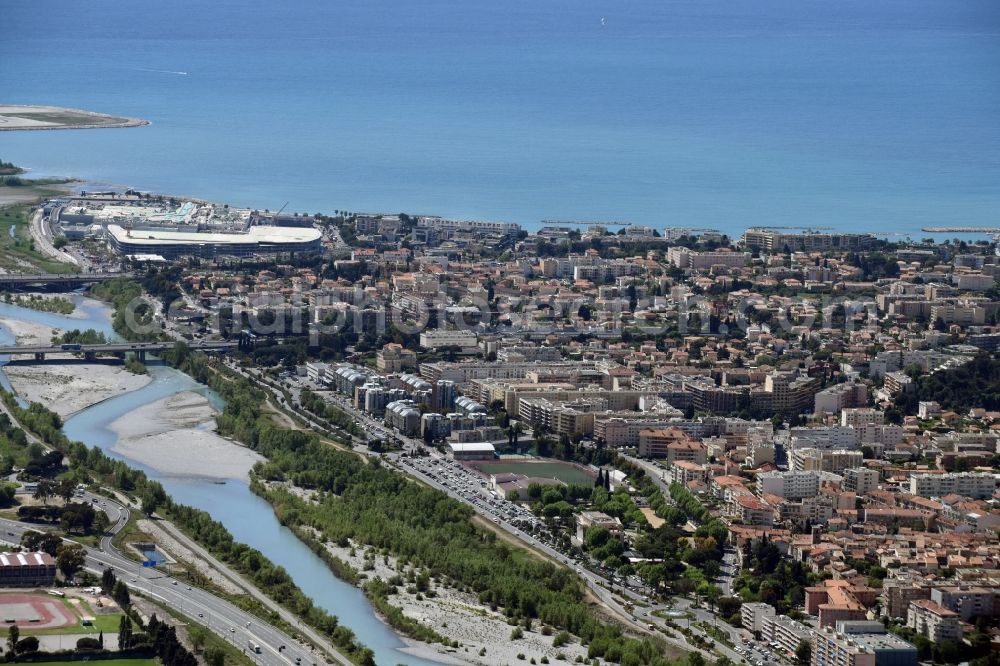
{"x": 13, "y": 280}
{"x": 140, "y": 349}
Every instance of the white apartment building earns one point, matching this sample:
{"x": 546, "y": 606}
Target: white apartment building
{"x": 790, "y": 485}
{"x": 968, "y": 484}
{"x": 683, "y": 471}
{"x": 833, "y": 460}
{"x": 840, "y": 396}
{"x": 855, "y": 416}
{"x": 438, "y": 339}
{"x": 966, "y": 601}
{"x": 861, "y": 480}
{"x": 933, "y": 621}
{"x": 832, "y": 437}
{"x": 786, "y": 632}
{"x": 752, "y": 615}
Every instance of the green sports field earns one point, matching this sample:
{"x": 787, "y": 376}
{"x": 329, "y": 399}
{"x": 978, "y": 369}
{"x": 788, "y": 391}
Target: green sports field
{"x": 548, "y": 469}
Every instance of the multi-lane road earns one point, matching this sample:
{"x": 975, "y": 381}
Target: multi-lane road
{"x": 630, "y": 605}
{"x": 221, "y": 617}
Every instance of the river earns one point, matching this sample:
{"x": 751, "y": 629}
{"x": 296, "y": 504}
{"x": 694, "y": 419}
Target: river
{"x": 248, "y": 517}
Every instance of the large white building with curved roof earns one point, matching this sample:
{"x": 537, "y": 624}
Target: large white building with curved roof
{"x": 256, "y": 240}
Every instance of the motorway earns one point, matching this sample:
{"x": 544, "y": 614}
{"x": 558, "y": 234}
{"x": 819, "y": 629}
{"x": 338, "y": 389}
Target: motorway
{"x": 221, "y": 617}
{"x": 459, "y": 483}
{"x": 218, "y": 615}
{"x": 41, "y": 232}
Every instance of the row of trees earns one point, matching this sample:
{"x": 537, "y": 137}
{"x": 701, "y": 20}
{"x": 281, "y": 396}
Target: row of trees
{"x": 369, "y": 504}
{"x": 324, "y": 410}
{"x": 90, "y": 464}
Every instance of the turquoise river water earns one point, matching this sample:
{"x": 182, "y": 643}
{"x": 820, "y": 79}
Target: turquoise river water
{"x": 248, "y": 517}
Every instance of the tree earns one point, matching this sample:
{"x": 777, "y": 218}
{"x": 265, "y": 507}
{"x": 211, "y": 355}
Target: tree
{"x": 108, "y": 580}
{"x": 45, "y": 542}
{"x": 124, "y": 633}
{"x": 7, "y": 493}
{"x": 596, "y": 536}
{"x": 29, "y": 644}
{"x": 215, "y": 656}
{"x": 89, "y": 644}
{"x": 45, "y": 489}
{"x": 13, "y": 633}
{"x": 120, "y": 594}
{"x": 65, "y": 489}
{"x": 70, "y": 559}
{"x": 803, "y": 653}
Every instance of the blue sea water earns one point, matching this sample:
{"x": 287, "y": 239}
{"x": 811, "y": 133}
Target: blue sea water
{"x": 857, "y": 114}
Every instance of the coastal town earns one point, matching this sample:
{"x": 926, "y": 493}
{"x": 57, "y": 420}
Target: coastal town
{"x": 780, "y": 448}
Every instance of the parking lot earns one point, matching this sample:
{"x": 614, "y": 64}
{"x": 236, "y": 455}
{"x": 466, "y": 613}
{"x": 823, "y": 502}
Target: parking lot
{"x": 473, "y": 488}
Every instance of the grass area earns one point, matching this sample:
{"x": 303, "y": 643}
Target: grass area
{"x": 550, "y": 469}
{"x": 17, "y": 249}
{"x": 20, "y": 189}
{"x": 107, "y": 623}
{"x": 104, "y": 662}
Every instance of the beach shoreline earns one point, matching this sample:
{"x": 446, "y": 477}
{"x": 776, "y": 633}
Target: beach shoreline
{"x": 19, "y": 117}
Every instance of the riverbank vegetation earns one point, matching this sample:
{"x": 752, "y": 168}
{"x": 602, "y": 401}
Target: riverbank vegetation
{"x": 133, "y": 317}
{"x": 335, "y": 416}
{"x": 135, "y": 366}
{"x": 17, "y": 249}
{"x": 369, "y": 504}
{"x": 57, "y": 304}
{"x": 91, "y": 465}
{"x": 77, "y": 337}
{"x": 9, "y": 169}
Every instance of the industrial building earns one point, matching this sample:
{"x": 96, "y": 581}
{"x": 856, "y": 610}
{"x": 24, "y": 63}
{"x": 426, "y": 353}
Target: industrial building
{"x": 471, "y": 451}
{"x": 26, "y": 569}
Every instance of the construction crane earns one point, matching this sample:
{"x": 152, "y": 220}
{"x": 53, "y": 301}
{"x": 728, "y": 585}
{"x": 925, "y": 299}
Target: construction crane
{"x": 283, "y": 207}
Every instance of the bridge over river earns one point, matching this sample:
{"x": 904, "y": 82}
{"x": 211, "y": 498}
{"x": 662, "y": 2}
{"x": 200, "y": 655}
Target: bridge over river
{"x": 14, "y": 280}
{"x": 140, "y": 349}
